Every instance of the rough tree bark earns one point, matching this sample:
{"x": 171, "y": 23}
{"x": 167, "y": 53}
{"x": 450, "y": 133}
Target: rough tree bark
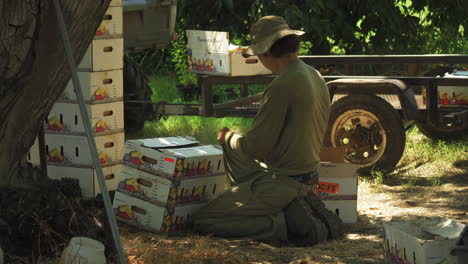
{"x": 33, "y": 72}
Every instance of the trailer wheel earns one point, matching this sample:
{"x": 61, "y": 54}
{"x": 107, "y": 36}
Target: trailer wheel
{"x": 370, "y": 129}
{"x": 444, "y": 132}
{"x": 135, "y": 88}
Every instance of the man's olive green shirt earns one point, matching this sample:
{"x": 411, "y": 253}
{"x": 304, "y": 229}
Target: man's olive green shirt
{"x": 288, "y": 130}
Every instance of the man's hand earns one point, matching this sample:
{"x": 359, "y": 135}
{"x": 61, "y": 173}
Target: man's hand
{"x": 222, "y": 135}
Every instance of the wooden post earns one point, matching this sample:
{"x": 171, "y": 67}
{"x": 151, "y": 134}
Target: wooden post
{"x": 432, "y": 99}
{"x": 207, "y": 95}
{"x": 244, "y": 92}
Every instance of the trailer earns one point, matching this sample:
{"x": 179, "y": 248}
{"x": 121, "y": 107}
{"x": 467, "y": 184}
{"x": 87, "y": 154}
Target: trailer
{"x": 369, "y": 114}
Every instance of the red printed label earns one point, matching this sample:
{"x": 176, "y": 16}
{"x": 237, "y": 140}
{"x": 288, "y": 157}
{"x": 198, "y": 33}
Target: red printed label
{"x": 328, "y": 187}
{"x": 169, "y": 159}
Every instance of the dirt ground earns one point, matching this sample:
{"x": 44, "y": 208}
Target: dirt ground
{"x": 363, "y": 243}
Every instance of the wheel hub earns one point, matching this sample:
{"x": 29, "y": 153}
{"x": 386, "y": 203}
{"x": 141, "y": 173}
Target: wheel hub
{"x": 362, "y": 134}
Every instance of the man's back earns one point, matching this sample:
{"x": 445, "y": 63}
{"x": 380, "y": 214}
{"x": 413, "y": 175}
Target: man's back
{"x": 307, "y": 99}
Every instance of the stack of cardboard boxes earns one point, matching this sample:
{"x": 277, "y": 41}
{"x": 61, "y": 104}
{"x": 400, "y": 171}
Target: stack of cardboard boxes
{"x": 101, "y": 78}
{"x": 164, "y": 180}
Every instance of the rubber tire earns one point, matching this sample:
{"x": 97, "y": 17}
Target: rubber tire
{"x": 440, "y": 133}
{"x": 135, "y": 88}
{"x": 388, "y": 117}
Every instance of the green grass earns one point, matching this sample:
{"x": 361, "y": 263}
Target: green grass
{"x": 427, "y": 162}
{"x": 202, "y": 128}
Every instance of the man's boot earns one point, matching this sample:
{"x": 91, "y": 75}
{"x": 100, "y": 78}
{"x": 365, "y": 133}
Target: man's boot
{"x": 331, "y": 220}
{"x": 304, "y": 228}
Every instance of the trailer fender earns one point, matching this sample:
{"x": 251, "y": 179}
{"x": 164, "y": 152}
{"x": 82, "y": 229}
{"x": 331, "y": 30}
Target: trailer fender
{"x": 405, "y": 94}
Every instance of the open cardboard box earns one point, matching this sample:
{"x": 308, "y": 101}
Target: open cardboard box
{"x": 425, "y": 241}
{"x": 210, "y": 53}
{"x": 337, "y": 186}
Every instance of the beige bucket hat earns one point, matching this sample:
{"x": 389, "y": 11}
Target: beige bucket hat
{"x": 265, "y": 32}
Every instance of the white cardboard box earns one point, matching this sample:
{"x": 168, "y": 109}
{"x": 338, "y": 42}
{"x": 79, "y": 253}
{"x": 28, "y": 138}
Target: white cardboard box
{"x": 103, "y": 86}
{"x": 209, "y": 53}
{"x": 65, "y": 118}
{"x": 338, "y": 189}
{"x": 162, "y": 191}
{"x": 428, "y": 242}
{"x": 112, "y": 22}
{"x": 151, "y": 156}
{"x": 87, "y": 177}
{"x": 153, "y": 217}
{"x": 116, "y": 3}
{"x": 73, "y": 150}
{"x": 452, "y": 96}
{"x": 103, "y": 55}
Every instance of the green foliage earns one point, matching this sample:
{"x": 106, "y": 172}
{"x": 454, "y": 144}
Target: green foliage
{"x": 178, "y": 51}
{"x": 344, "y": 27}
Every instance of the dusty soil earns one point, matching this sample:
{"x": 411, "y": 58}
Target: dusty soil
{"x": 362, "y": 244}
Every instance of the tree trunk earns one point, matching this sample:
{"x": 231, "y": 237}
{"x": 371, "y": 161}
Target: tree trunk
{"x": 33, "y": 70}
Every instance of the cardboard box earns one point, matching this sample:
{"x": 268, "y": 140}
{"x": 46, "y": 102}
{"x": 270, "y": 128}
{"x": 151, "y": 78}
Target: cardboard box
{"x": 452, "y": 96}
{"x": 154, "y": 157}
{"x": 209, "y": 53}
{"x": 112, "y": 23}
{"x": 146, "y": 215}
{"x": 106, "y": 86}
{"x": 345, "y": 209}
{"x": 103, "y": 55}
{"x": 87, "y": 177}
{"x": 116, "y": 3}
{"x": 65, "y": 118}
{"x": 337, "y": 188}
{"x": 426, "y": 242}
{"x": 165, "y": 192}
{"x": 72, "y": 150}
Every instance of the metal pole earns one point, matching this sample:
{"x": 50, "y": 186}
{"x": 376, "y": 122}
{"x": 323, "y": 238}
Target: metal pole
{"x": 89, "y": 133}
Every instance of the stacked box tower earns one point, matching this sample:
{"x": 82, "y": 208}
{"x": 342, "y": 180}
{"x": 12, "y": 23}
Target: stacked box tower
{"x": 101, "y": 78}
{"x": 163, "y": 181}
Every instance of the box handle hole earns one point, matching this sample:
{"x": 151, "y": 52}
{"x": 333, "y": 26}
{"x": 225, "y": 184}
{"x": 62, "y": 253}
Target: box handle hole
{"x": 108, "y": 49}
{"x": 107, "y": 81}
{"x": 107, "y": 17}
{"x": 108, "y": 113}
{"x": 145, "y": 182}
{"x": 110, "y": 176}
{"x": 138, "y": 210}
{"x": 108, "y": 145}
{"x": 251, "y": 61}
{"x": 149, "y": 160}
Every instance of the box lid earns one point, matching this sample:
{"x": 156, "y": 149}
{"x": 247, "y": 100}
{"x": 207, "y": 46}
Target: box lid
{"x": 211, "y": 41}
{"x": 165, "y": 142}
{"x": 205, "y": 150}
